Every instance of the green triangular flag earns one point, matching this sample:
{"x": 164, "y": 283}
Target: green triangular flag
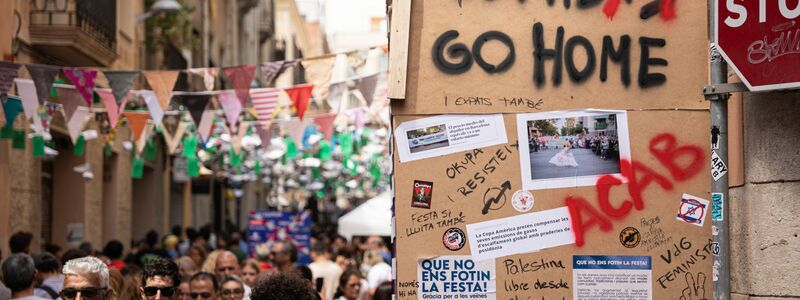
{"x": 192, "y": 166}
{"x": 53, "y": 90}
{"x": 190, "y": 146}
{"x": 291, "y": 148}
{"x": 38, "y": 146}
{"x": 80, "y": 146}
{"x": 6, "y": 132}
{"x": 320, "y": 194}
{"x": 315, "y": 174}
{"x": 257, "y": 168}
{"x": 150, "y": 150}
{"x": 324, "y": 151}
{"x": 137, "y": 167}
{"x": 18, "y": 139}
{"x": 108, "y": 151}
{"x": 346, "y": 142}
{"x": 236, "y": 159}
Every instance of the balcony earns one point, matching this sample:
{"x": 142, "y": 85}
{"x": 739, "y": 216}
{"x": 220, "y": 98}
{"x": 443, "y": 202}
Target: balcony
{"x": 77, "y": 32}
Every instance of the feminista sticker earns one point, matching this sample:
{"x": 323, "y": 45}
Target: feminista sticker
{"x": 522, "y": 201}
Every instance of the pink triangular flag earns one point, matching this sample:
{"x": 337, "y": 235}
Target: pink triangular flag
{"x": 76, "y": 122}
{"x": 300, "y": 95}
{"x": 265, "y": 101}
{"x": 83, "y": 80}
{"x": 209, "y": 75}
{"x": 206, "y": 121}
{"x": 27, "y": 91}
{"x": 294, "y": 128}
{"x": 325, "y": 123}
{"x": 112, "y": 109}
{"x": 231, "y": 106}
{"x": 367, "y": 86}
{"x": 162, "y": 83}
{"x": 241, "y": 78}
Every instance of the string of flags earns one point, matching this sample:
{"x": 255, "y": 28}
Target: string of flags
{"x": 230, "y": 114}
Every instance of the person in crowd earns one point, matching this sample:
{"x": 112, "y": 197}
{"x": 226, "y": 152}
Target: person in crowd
{"x": 210, "y": 263}
{"x": 284, "y": 255}
{"x": 85, "y": 278}
{"x": 113, "y": 252}
{"x": 231, "y": 288}
{"x": 87, "y": 247}
{"x": 339, "y": 243}
{"x": 379, "y": 270}
{"x": 116, "y": 283}
{"x": 5, "y": 293}
{"x": 160, "y": 280}
{"x": 349, "y": 287}
{"x": 250, "y": 270}
{"x": 186, "y": 266}
{"x": 285, "y": 285}
{"x": 384, "y": 291}
{"x": 19, "y": 275}
{"x": 203, "y": 286}
{"x": 323, "y": 268}
{"x": 133, "y": 277}
{"x": 228, "y": 265}
{"x": 344, "y": 258}
{"x": 53, "y": 249}
{"x": 71, "y": 254}
{"x": 20, "y": 242}
{"x": 170, "y": 246}
{"x": 184, "y": 291}
{"x": 49, "y": 278}
{"x": 198, "y": 255}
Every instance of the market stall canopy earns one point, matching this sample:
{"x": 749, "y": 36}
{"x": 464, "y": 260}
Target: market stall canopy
{"x": 374, "y": 217}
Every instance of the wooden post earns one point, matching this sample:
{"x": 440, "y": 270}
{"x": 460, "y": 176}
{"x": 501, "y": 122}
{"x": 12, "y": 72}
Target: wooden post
{"x": 400, "y": 20}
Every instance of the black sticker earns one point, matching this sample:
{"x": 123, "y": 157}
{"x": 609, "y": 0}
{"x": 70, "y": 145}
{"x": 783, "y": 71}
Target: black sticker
{"x": 454, "y": 239}
{"x": 630, "y": 237}
{"x": 423, "y": 192}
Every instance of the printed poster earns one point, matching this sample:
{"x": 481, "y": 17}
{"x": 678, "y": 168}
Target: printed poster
{"x": 442, "y": 135}
{"x": 456, "y": 277}
{"x": 266, "y": 227}
{"x": 612, "y": 277}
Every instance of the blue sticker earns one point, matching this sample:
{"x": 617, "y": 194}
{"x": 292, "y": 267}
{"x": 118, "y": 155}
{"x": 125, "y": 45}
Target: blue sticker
{"x": 611, "y": 262}
{"x": 716, "y": 207}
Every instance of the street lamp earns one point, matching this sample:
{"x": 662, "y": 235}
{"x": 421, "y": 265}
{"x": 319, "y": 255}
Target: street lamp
{"x": 161, "y": 6}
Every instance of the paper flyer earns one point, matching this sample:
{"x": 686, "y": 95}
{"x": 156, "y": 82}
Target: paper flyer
{"x": 442, "y": 135}
{"x": 456, "y": 277}
{"x": 612, "y": 277}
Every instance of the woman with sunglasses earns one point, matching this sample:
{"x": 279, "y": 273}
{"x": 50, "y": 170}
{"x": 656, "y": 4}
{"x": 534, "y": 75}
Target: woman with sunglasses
{"x": 231, "y": 289}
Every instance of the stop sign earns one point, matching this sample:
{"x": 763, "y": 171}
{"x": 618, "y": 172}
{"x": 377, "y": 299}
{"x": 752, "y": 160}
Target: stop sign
{"x": 761, "y": 40}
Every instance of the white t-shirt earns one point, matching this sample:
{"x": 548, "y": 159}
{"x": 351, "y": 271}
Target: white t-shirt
{"x": 329, "y": 272}
{"x": 379, "y": 273}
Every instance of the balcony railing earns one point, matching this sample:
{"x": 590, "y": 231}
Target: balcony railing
{"x": 74, "y": 23}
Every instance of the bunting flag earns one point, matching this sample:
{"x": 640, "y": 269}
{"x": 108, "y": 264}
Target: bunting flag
{"x": 241, "y": 78}
{"x": 121, "y": 83}
{"x": 300, "y": 94}
{"x": 83, "y": 79}
{"x": 173, "y": 136}
{"x": 341, "y": 66}
{"x": 70, "y": 101}
{"x": 136, "y": 121}
{"x": 366, "y": 86}
{"x": 236, "y": 141}
{"x": 141, "y": 142}
{"x": 113, "y": 109}
{"x": 271, "y": 70}
{"x": 294, "y": 128}
{"x": 204, "y": 127}
{"x": 336, "y": 93}
{"x": 8, "y": 71}
{"x": 264, "y": 102}
{"x": 195, "y": 104}
{"x": 356, "y": 59}
{"x": 325, "y": 123}
{"x": 11, "y": 108}
{"x": 318, "y": 73}
{"x": 373, "y": 63}
{"x": 153, "y": 106}
{"x": 265, "y": 132}
{"x": 209, "y": 75}
{"x": 231, "y": 106}
{"x": 27, "y": 91}
{"x": 162, "y": 83}
{"x": 43, "y": 77}
{"x": 77, "y": 121}
{"x": 358, "y": 115}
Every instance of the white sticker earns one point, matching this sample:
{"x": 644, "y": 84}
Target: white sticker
{"x": 612, "y": 277}
{"x": 522, "y": 201}
{"x": 692, "y": 210}
{"x": 718, "y": 167}
{"x": 442, "y": 135}
{"x": 520, "y": 234}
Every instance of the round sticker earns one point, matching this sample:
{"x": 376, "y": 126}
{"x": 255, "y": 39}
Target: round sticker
{"x": 630, "y": 237}
{"x": 454, "y": 239}
{"x": 522, "y": 201}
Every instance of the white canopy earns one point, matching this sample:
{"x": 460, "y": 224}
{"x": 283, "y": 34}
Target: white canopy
{"x": 374, "y": 217}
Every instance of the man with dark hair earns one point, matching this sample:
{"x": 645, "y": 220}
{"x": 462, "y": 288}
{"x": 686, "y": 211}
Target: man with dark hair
{"x": 324, "y": 269}
{"x": 49, "y": 277}
{"x": 160, "y": 280}
{"x": 20, "y": 242}
{"x": 284, "y": 255}
{"x": 19, "y": 273}
{"x": 113, "y": 250}
{"x": 283, "y": 286}
{"x": 203, "y": 286}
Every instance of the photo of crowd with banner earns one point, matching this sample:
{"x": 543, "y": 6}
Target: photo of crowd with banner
{"x": 326, "y": 135}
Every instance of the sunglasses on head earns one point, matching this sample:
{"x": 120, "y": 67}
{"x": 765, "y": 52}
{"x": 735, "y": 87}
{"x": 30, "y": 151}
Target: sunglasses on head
{"x": 204, "y": 295}
{"x": 71, "y": 293}
{"x": 151, "y": 291}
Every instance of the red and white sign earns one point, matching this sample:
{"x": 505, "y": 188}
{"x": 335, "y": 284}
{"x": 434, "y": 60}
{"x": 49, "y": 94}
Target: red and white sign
{"x": 761, "y": 41}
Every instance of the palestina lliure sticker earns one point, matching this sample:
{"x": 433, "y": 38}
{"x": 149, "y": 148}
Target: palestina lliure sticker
{"x": 522, "y": 201}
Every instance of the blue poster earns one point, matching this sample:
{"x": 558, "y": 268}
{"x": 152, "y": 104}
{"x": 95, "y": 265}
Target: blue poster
{"x": 266, "y": 227}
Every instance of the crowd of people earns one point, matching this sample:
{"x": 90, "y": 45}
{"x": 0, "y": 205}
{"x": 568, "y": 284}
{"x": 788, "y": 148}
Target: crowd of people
{"x": 198, "y": 264}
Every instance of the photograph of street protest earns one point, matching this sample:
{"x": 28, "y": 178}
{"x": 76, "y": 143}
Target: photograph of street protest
{"x": 428, "y": 138}
{"x": 574, "y": 148}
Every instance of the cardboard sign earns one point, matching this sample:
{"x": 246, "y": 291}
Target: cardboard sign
{"x": 602, "y": 128}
